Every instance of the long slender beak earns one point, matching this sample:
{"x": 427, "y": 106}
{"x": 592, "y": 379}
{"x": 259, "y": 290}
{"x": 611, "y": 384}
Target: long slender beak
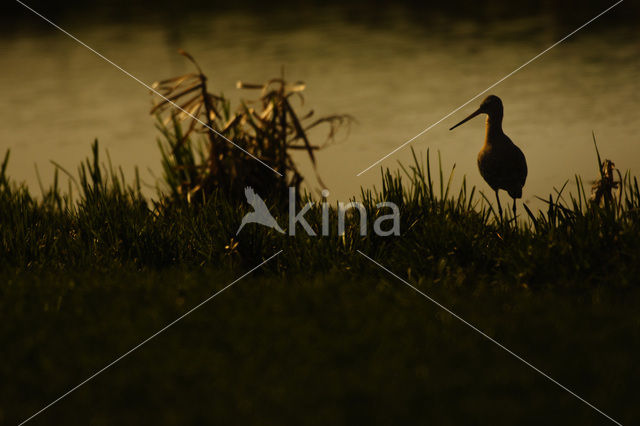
{"x": 473, "y": 114}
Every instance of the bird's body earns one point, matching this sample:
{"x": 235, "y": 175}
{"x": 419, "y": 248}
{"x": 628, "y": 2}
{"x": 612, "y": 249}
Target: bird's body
{"x": 501, "y": 163}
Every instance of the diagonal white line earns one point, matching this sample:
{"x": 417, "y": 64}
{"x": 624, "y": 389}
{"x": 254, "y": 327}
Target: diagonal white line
{"x": 144, "y": 342}
{"x": 489, "y": 88}
{"x": 501, "y": 346}
{"x": 178, "y": 107}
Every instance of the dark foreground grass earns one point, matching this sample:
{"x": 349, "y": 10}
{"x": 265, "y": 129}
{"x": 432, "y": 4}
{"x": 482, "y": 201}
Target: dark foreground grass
{"x": 319, "y": 335}
{"x": 336, "y": 348}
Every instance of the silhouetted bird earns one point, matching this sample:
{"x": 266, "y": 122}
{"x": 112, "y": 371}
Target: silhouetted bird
{"x": 260, "y": 214}
{"x": 501, "y": 162}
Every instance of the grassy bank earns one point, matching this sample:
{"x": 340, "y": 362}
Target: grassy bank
{"x": 100, "y": 222}
{"x": 319, "y": 335}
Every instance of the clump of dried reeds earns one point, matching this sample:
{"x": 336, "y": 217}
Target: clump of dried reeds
{"x": 250, "y": 146}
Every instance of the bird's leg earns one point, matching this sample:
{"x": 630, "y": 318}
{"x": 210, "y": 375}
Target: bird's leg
{"x": 514, "y": 208}
{"x": 499, "y": 206}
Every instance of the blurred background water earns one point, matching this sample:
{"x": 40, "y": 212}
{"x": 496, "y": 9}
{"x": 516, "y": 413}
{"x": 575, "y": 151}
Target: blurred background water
{"x": 396, "y": 67}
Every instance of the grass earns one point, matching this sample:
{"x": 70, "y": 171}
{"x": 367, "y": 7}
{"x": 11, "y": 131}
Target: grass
{"x": 263, "y": 130}
{"x": 335, "y": 348}
{"x": 103, "y": 223}
{"x": 319, "y": 335}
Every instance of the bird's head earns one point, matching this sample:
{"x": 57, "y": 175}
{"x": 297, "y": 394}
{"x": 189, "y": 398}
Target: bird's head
{"x": 491, "y": 105}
